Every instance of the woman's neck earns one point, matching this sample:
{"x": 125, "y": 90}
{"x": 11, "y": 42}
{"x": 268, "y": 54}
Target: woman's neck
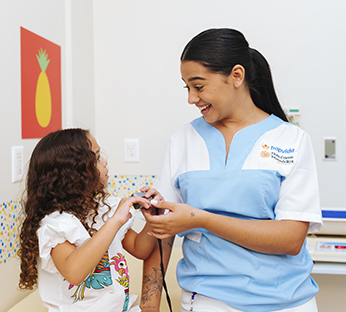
{"x": 245, "y": 114}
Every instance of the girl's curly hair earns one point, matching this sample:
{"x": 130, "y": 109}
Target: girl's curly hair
{"x": 62, "y": 176}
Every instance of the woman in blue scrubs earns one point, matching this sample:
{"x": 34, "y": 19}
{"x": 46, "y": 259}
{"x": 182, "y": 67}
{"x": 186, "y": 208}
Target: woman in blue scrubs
{"x": 240, "y": 186}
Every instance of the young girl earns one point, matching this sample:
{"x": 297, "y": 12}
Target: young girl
{"x": 73, "y": 235}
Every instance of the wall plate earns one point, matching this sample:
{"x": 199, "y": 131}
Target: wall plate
{"x": 17, "y": 163}
{"x": 131, "y": 150}
{"x": 329, "y": 148}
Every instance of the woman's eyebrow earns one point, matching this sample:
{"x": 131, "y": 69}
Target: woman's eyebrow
{"x": 195, "y": 78}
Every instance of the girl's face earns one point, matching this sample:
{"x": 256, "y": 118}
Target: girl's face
{"x": 212, "y": 93}
{"x": 101, "y": 162}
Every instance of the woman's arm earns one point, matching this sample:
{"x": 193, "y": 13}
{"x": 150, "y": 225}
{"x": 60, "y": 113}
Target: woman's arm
{"x": 265, "y": 236}
{"x": 152, "y": 277}
{"x": 75, "y": 264}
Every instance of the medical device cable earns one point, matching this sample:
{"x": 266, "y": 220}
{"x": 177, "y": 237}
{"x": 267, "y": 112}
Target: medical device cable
{"x": 163, "y": 271}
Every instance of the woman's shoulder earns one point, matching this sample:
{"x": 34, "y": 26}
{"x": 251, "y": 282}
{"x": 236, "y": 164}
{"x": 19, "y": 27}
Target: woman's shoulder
{"x": 286, "y": 131}
{"x": 189, "y": 129}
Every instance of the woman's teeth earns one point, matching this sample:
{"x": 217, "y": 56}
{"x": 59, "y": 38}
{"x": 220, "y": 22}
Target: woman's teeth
{"x": 204, "y": 107}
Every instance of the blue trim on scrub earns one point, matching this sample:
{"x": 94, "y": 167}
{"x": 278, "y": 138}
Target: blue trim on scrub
{"x": 241, "y": 145}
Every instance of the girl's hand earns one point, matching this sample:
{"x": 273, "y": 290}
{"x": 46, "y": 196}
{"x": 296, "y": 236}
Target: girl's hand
{"x": 180, "y": 218}
{"x": 122, "y": 214}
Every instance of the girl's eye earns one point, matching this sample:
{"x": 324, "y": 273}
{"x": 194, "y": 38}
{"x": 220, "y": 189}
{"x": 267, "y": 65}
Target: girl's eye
{"x": 186, "y": 87}
{"x": 98, "y": 158}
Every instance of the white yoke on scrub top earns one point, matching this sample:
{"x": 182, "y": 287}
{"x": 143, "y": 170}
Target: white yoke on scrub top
{"x": 106, "y": 289}
{"x": 269, "y": 173}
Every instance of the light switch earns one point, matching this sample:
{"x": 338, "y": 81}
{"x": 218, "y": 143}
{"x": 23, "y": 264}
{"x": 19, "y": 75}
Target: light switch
{"x": 329, "y": 148}
{"x": 17, "y": 163}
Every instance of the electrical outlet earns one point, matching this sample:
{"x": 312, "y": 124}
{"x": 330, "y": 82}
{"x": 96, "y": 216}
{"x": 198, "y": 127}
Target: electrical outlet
{"x": 131, "y": 150}
{"x": 17, "y": 163}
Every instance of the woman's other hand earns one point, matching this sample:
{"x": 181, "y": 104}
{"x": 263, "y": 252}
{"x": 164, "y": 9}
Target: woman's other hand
{"x": 179, "y": 218}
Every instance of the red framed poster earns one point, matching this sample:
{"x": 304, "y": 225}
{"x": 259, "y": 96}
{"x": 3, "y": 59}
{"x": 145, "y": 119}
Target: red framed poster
{"x": 41, "y": 85}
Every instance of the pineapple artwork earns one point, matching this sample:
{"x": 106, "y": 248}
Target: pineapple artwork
{"x": 43, "y": 102}
{"x": 41, "y": 85}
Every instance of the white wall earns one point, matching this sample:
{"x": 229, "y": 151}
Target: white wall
{"x": 139, "y": 93}
{"x": 81, "y": 41}
{"x": 69, "y": 25}
{"x": 138, "y": 89}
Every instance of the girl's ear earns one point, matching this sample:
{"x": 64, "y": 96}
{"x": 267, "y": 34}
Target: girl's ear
{"x": 237, "y": 76}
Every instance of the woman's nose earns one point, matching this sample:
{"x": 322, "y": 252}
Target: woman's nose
{"x": 192, "y": 97}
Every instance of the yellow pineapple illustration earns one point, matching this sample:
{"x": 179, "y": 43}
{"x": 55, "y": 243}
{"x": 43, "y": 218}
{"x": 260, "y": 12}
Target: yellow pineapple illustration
{"x": 43, "y": 101}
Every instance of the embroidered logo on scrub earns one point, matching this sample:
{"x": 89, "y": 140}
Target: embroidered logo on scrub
{"x": 265, "y": 153}
{"x": 282, "y": 156}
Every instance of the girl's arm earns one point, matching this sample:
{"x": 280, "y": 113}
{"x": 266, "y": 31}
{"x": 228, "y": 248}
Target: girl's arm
{"x": 265, "y": 236}
{"x": 140, "y": 245}
{"x": 75, "y": 264}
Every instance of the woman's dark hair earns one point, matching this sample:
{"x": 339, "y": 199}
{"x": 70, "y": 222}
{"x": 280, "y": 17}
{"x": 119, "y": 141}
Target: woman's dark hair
{"x": 220, "y": 50}
{"x": 62, "y": 176}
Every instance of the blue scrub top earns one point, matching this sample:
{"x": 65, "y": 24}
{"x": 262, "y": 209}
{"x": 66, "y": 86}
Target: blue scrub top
{"x": 217, "y": 268}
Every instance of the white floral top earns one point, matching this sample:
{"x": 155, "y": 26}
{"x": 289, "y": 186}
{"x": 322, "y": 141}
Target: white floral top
{"x": 105, "y": 289}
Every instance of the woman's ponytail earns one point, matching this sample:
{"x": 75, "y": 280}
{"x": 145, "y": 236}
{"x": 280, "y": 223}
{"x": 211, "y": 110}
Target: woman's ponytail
{"x": 261, "y": 86}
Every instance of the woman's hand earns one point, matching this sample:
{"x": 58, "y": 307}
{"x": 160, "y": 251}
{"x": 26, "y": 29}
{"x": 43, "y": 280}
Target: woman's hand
{"x": 265, "y": 236}
{"x": 179, "y": 218}
{"x": 151, "y": 192}
{"x": 156, "y": 197}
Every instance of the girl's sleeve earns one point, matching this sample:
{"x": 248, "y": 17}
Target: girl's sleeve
{"x": 56, "y": 229}
{"x": 299, "y": 193}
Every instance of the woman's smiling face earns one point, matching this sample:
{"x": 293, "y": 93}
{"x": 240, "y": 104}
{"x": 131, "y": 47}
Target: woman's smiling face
{"x": 212, "y": 93}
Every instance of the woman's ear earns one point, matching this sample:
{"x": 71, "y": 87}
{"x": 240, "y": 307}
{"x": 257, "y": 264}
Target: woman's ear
{"x": 237, "y": 76}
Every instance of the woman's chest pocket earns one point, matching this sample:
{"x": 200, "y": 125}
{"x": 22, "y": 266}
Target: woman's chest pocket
{"x": 249, "y": 194}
